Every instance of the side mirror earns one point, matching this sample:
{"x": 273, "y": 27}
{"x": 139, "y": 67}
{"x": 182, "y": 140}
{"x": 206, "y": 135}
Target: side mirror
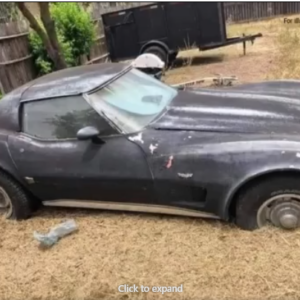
{"x": 87, "y": 133}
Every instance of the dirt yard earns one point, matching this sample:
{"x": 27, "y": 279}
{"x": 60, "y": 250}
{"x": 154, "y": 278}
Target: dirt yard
{"x": 254, "y": 66}
{"x": 210, "y": 259}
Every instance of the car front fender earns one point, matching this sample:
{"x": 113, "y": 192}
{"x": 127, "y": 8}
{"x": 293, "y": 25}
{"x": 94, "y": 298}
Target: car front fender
{"x": 7, "y": 164}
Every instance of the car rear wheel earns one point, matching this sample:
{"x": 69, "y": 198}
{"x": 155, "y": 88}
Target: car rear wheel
{"x": 14, "y": 201}
{"x": 273, "y": 201}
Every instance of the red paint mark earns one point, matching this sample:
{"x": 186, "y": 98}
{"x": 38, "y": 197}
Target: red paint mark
{"x": 170, "y": 161}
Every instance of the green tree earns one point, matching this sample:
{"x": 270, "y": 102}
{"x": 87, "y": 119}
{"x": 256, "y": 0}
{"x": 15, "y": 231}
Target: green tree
{"x": 9, "y": 12}
{"x": 47, "y": 34}
{"x": 76, "y": 27}
{"x": 75, "y": 34}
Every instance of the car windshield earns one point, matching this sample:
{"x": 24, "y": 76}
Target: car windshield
{"x": 132, "y": 101}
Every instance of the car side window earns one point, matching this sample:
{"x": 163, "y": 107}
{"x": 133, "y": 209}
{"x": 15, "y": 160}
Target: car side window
{"x": 61, "y": 118}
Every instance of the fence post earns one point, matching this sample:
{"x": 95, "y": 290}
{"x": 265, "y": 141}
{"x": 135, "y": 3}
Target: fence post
{"x": 1, "y": 89}
{"x": 3, "y": 80}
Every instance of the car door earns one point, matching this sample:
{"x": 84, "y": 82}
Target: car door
{"x": 56, "y": 165}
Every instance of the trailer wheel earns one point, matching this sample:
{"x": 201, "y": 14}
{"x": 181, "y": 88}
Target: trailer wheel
{"x": 158, "y": 51}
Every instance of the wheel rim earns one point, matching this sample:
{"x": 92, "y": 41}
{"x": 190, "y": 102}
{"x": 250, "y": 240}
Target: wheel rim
{"x": 5, "y": 204}
{"x": 281, "y": 211}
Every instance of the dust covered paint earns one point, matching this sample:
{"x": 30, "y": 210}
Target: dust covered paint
{"x": 192, "y": 157}
{"x": 257, "y": 108}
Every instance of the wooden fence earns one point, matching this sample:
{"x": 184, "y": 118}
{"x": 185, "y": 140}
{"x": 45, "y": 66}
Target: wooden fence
{"x": 16, "y": 66}
{"x": 98, "y": 52}
{"x": 239, "y": 12}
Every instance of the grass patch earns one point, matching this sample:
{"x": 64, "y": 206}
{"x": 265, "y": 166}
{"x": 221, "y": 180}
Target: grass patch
{"x": 274, "y": 56}
{"x": 286, "y": 41}
{"x": 267, "y": 26}
{"x": 288, "y": 57}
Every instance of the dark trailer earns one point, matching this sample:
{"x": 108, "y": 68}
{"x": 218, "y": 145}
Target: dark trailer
{"x": 164, "y": 28}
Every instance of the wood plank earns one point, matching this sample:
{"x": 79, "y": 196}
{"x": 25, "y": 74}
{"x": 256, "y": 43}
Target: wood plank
{"x": 15, "y": 60}
{"x": 16, "y": 66}
{"x": 13, "y": 36}
{"x": 101, "y": 37}
{"x": 106, "y": 55}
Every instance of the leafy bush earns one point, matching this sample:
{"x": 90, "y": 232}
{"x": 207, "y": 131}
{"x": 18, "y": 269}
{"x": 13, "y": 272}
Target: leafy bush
{"x": 9, "y": 12}
{"x": 43, "y": 63}
{"x": 75, "y": 32}
{"x": 75, "y": 25}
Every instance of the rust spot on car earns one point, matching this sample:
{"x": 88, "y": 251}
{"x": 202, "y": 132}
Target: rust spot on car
{"x": 170, "y": 162}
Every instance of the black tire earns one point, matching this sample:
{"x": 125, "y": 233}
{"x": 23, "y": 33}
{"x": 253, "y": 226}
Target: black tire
{"x": 250, "y": 199}
{"x": 158, "y": 51}
{"x": 35, "y": 203}
{"x": 20, "y": 201}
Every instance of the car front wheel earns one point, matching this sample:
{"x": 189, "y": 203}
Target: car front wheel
{"x": 14, "y": 201}
{"x": 274, "y": 201}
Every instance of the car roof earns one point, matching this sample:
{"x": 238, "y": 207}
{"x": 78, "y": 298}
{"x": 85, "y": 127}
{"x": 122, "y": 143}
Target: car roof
{"x": 72, "y": 81}
{"x": 66, "y": 82}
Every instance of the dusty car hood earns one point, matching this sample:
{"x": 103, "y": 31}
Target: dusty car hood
{"x": 270, "y": 107}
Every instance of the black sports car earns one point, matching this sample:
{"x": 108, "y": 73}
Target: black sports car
{"x": 112, "y": 137}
